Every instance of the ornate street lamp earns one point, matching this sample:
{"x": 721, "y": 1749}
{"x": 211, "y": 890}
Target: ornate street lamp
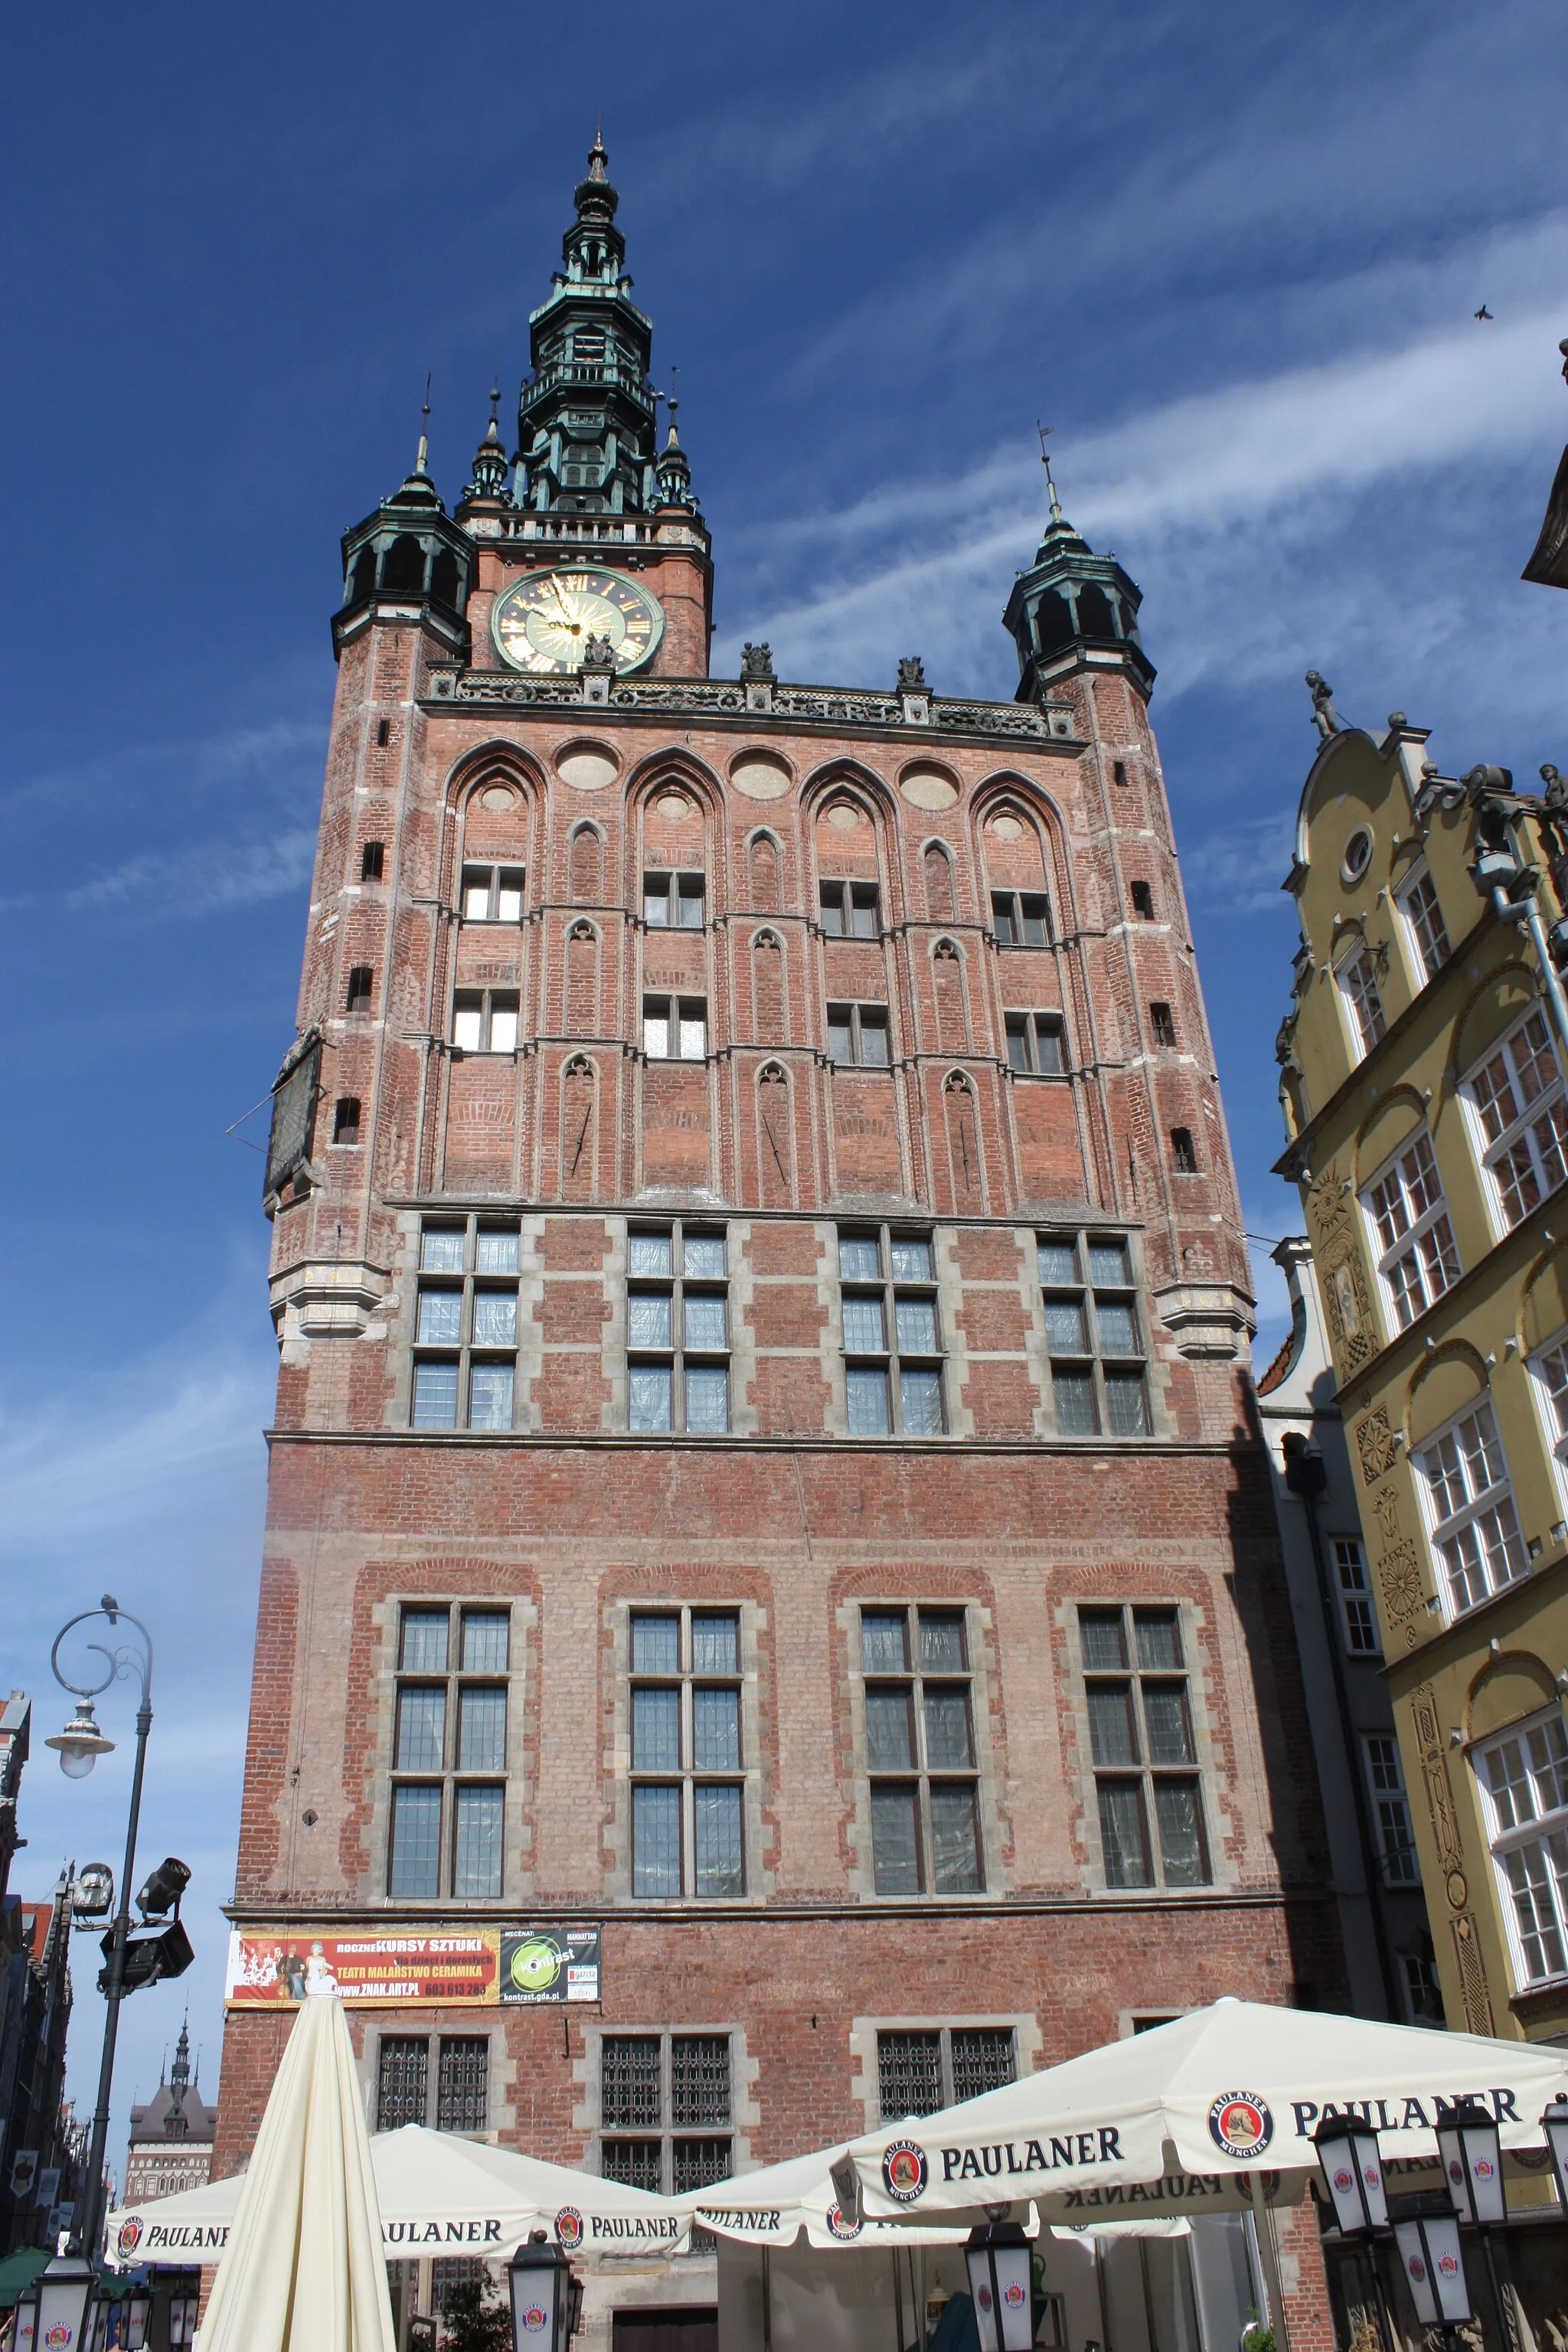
{"x": 60, "y": 2295}
{"x": 80, "y": 1746}
{"x": 998, "y": 2260}
{"x": 1471, "y": 2150}
{"x": 1554, "y": 2124}
{"x": 1350, "y": 2162}
{"x": 1427, "y": 2232}
{"x": 545, "y": 2298}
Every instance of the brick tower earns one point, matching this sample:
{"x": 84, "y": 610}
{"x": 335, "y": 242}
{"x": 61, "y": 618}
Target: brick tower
{"x": 763, "y": 1493}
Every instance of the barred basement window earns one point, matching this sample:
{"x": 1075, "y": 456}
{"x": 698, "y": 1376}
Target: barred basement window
{"x": 1141, "y": 1741}
{"x": 346, "y": 1120}
{"x": 1358, "y": 1611}
{"x": 372, "y": 858}
{"x": 892, "y": 1345}
{"x": 1035, "y": 1045}
{"x": 921, "y": 2069}
{"x": 465, "y": 1330}
{"x": 1519, "y": 1099}
{"x": 462, "y": 2082}
{"x": 449, "y": 1753}
{"x": 484, "y": 1021}
{"x": 492, "y": 894}
{"x": 1093, "y": 1335}
{"x": 673, "y": 901}
{"x": 1162, "y": 1024}
{"x": 672, "y": 2091}
{"x": 858, "y": 1035}
{"x": 686, "y": 1761}
{"x": 360, "y": 986}
{"x": 850, "y": 910}
{"x": 919, "y": 1752}
{"x": 677, "y": 1331}
{"x": 1021, "y": 919}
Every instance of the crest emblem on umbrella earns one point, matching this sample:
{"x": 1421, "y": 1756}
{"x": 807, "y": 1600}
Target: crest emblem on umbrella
{"x": 129, "y": 2236}
{"x": 1240, "y": 2124}
{"x": 569, "y": 2228}
{"x": 904, "y": 2171}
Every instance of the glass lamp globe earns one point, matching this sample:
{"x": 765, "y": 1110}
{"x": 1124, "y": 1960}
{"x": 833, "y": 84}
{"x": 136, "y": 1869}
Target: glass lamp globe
{"x": 81, "y": 1744}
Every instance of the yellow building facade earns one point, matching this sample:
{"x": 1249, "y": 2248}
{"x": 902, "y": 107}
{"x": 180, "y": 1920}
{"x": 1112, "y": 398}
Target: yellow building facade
{"x": 1427, "y": 1123}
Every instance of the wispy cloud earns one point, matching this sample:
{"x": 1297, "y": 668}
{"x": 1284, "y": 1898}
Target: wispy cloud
{"x": 207, "y": 881}
{"x": 1240, "y": 870}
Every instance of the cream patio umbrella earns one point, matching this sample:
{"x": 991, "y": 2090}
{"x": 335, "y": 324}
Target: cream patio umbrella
{"x": 772, "y": 2206}
{"x": 1233, "y": 2089}
{"x": 304, "y": 2271}
{"x": 439, "y": 2195}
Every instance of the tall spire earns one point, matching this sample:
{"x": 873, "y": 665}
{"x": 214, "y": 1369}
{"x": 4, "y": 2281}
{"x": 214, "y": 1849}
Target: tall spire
{"x": 422, "y": 461}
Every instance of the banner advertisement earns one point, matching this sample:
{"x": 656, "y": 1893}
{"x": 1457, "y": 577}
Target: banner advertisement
{"x": 481, "y": 1968}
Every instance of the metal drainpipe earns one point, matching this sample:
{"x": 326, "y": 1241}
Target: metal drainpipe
{"x": 1509, "y": 910}
{"x": 1306, "y": 1476}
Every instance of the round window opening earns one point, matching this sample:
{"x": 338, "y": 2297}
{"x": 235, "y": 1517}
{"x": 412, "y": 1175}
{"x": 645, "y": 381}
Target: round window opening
{"x": 1358, "y": 854}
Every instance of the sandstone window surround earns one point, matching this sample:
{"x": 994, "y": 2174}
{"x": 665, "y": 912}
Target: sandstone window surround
{"x": 689, "y": 1742}
{"x": 1355, "y": 976}
{"x": 667, "y": 2109}
{"x": 893, "y": 1352}
{"x": 1472, "y": 1525}
{"x": 1418, "y": 1257}
{"x": 917, "y": 1694}
{"x": 1093, "y": 1334}
{"x": 678, "y": 1330}
{"x": 1424, "y": 930}
{"x": 452, "y": 1699}
{"x": 492, "y": 894}
{"x": 1523, "y": 1777}
{"x": 1517, "y": 1099}
{"x": 466, "y": 1325}
{"x": 459, "y": 2078}
{"x": 1142, "y": 1742}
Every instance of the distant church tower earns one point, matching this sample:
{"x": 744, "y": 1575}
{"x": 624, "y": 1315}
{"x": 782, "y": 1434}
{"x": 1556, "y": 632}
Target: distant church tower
{"x": 771, "y": 1615}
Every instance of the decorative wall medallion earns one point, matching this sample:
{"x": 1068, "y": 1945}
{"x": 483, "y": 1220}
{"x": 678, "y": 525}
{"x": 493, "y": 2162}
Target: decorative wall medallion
{"x": 929, "y": 787}
{"x": 586, "y": 767}
{"x": 760, "y": 776}
{"x": 1376, "y": 1445}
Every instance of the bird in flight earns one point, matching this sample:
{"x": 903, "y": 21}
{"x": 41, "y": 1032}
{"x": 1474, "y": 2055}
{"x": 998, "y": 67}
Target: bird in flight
{"x": 1483, "y": 312}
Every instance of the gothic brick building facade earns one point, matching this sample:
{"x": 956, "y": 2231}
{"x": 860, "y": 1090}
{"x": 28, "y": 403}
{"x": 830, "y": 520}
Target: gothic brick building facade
{"x": 763, "y": 1465}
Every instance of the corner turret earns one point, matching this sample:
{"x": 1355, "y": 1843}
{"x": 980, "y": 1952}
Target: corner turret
{"x": 1073, "y": 610}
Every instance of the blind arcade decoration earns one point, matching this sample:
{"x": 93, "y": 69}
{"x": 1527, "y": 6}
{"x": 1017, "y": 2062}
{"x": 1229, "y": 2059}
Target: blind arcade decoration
{"x": 485, "y": 1968}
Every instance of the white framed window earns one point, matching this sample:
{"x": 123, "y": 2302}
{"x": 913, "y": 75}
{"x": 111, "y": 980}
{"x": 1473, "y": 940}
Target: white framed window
{"x": 1417, "y": 1259}
{"x": 1473, "y": 1524}
{"x": 1358, "y": 1610}
{"x": 1390, "y": 1809}
{"x": 1357, "y": 977}
{"x": 688, "y": 1783}
{"x": 1549, "y": 1371}
{"x": 1416, "y": 901}
{"x": 1523, "y": 1775}
{"x": 1517, "y": 1094}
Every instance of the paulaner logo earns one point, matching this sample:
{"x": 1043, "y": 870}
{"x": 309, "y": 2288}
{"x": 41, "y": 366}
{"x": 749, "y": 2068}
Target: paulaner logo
{"x": 841, "y": 2228}
{"x": 569, "y": 2228}
{"x": 1240, "y": 2124}
{"x": 129, "y": 2236}
{"x": 904, "y": 2171}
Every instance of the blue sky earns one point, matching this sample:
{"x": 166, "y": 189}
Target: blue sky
{"x": 1230, "y": 253}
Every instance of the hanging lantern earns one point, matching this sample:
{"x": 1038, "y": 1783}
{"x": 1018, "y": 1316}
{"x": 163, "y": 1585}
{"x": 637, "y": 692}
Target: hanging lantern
{"x": 1427, "y": 2232}
{"x": 998, "y": 2260}
{"x": 1554, "y": 2124}
{"x": 1471, "y": 2150}
{"x": 1351, "y": 2165}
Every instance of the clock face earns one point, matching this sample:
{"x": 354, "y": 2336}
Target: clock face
{"x": 543, "y": 622}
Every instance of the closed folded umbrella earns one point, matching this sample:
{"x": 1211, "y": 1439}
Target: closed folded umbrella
{"x": 1238, "y": 2087}
{"x": 304, "y": 2271}
{"x": 439, "y": 2196}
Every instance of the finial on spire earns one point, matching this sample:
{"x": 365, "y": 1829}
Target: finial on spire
{"x": 597, "y": 154}
{"x": 422, "y": 462}
{"x": 1046, "y": 461}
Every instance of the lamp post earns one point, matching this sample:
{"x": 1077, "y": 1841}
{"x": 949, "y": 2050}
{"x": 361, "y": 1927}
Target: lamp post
{"x": 546, "y": 2297}
{"x": 998, "y": 2260}
{"x": 1472, "y": 2149}
{"x": 1554, "y": 2124}
{"x": 1350, "y": 2162}
{"x": 80, "y": 1746}
{"x": 1427, "y": 2232}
